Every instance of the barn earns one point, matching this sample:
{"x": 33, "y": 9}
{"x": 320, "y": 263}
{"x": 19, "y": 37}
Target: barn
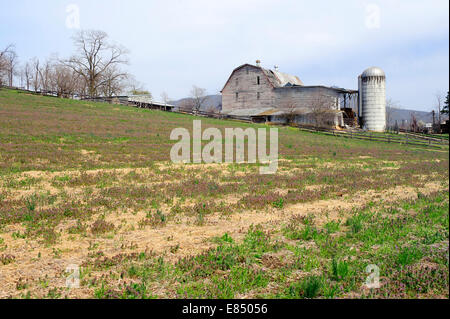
{"x": 272, "y": 96}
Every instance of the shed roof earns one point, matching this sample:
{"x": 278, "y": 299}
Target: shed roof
{"x": 268, "y": 111}
{"x": 248, "y": 112}
{"x": 147, "y": 99}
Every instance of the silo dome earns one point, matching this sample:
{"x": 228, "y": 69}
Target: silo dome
{"x": 373, "y": 99}
{"x": 373, "y": 71}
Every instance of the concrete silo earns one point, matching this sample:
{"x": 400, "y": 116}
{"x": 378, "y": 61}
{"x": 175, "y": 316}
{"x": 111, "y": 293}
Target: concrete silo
{"x": 372, "y": 95}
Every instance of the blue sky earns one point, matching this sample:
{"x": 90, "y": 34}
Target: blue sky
{"x": 175, "y": 44}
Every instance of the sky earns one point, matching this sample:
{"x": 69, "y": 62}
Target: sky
{"x": 175, "y": 44}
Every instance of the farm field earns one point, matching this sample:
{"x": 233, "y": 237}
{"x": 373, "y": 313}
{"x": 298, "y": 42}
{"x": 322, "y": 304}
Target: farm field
{"x": 92, "y": 185}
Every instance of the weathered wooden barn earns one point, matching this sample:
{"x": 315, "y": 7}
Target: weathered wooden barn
{"x": 282, "y": 97}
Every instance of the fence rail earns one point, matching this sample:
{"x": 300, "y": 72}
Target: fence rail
{"x": 423, "y": 136}
{"x": 406, "y": 139}
{"x": 40, "y": 92}
{"x": 213, "y": 115}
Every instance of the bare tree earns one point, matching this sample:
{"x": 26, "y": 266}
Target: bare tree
{"x": 198, "y": 96}
{"x": 81, "y": 87}
{"x": 45, "y": 75}
{"x": 439, "y": 102}
{"x": 321, "y": 109}
{"x": 113, "y": 82}
{"x": 12, "y": 59}
{"x": 165, "y": 97}
{"x": 27, "y": 75}
{"x": 414, "y": 123}
{"x": 8, "y": 63}
{"x": 391, "y": 107}
{"x": 291, "y": 110}
{"x": 4, "y": 63}
{"x": 95, "y": 57}
{"x": 135, "y": 87}
{"x": 64, "y": 80}
{"x": 35, "y": 79}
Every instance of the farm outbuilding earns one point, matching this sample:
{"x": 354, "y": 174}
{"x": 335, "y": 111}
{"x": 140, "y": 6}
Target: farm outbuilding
{"x": 141, "y": 101}
{"x": 274, "y": 96}
{"x": 372, "y": 96}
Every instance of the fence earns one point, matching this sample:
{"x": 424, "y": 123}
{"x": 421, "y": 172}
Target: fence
{"x": 213, "y": 115}
{"x": 404, "y": 138}
{"x": 423, "y": 136}
{"x": 40, "y": 92}
{"x": 407, "y": 139}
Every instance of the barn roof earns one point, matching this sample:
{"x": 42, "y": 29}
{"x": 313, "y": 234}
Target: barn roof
{"x": 276, "y": 78}
{"x": 284, "y": 79}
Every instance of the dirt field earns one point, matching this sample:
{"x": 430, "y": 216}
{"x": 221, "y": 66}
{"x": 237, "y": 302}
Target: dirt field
{"x": 92, "y": 185}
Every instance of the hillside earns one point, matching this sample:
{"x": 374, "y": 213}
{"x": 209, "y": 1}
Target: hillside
{"x": 92, "y": 185}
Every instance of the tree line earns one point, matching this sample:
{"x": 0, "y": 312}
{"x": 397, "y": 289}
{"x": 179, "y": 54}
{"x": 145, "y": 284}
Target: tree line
{"x": 96, "y": 68}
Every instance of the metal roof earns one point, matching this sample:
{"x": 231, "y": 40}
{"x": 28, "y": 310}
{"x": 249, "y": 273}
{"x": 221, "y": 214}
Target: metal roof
{"x": 373, "y": 71}
{"x": 281, "y": 80}
{"x": 147, "y": 99}
{"x": 140, "y": 98}
{"x": 286, "y": 79}
{"x": 248, "y": 112}
{"x": 276, "y": 78}
{"x": 337, "y": 89}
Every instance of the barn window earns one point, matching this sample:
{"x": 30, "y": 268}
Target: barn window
{"x": 258, "y": 80}
{"x": 237, "y": 96}
{"x": 246, "y": 69}
{"x": 258, "y": 95}
{"x": 237, "y": 81}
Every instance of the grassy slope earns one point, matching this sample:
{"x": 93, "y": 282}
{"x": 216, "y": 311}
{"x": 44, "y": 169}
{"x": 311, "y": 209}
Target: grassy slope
{"x": 407, "y": 239}
{"x": 56, "y": 130}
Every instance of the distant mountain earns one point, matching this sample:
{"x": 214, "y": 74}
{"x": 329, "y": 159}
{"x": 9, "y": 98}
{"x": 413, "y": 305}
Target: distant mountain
{"x": 212, "y": 101}
{"x": 396, "y": 114}
{"x": 404, "y": 114}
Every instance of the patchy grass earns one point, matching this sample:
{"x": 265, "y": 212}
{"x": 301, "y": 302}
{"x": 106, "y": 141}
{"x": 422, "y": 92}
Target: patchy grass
{"x": 267, "y": 264}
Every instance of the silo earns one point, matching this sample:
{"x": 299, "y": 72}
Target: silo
{"x": 359, "y": 99}
{"x": 373, "y": 99}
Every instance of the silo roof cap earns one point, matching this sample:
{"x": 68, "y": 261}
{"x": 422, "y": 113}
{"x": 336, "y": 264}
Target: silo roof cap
{"x": 373, "y": 71}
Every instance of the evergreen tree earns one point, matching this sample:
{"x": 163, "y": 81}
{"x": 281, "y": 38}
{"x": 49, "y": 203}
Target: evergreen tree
{"x": 445, "y": 107}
